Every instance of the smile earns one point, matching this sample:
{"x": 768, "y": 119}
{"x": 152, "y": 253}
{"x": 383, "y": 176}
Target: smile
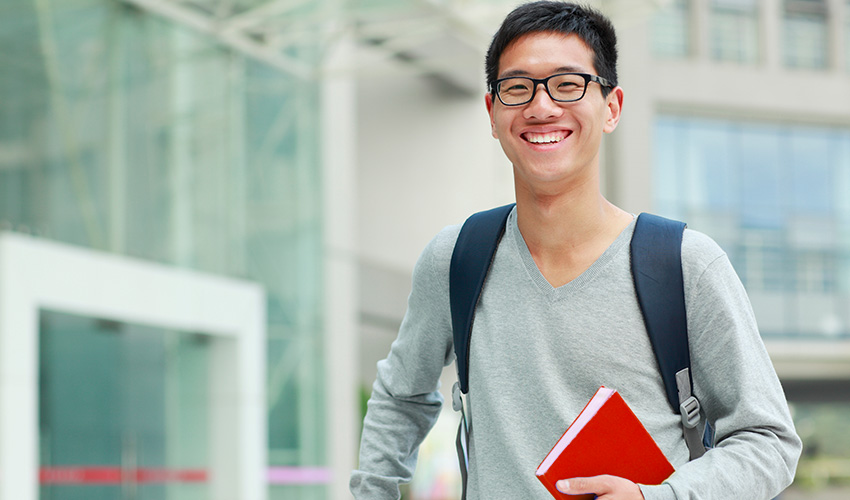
{"x": 547, "y": 138}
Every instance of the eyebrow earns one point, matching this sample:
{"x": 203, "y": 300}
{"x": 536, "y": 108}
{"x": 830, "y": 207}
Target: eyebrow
{"x": 562, "y": 69}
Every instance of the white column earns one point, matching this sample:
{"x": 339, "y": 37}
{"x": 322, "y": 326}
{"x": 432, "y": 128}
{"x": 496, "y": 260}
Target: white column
{"x": 337, "y": 129}
{"x": 700, "y": 24}
{"x": 770, "y": 27}
{"x": 628, "y": 150}
{"x": 837, "y": 25}
{"x": 18, "y": 382}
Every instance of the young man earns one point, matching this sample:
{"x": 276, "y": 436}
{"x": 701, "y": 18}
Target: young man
{"x": 558, "y": 316}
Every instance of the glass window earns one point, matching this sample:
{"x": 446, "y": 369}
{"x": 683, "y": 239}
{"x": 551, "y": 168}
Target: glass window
{"x": 666, "y": 175}
{"x": 774, "y": 197}
{"x": 811, "y": 176}
{"x": 714, "y": 178}
{"x": 734, "y": 30}
{"x": 123, "y": 410}
{"x": 669, "y": 30}
{"x": 805, "y": 34}
{"x": 760, "y": 161}
{"x": 840, "y": 188}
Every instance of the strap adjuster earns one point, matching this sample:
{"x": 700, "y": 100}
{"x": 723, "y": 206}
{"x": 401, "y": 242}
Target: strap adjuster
{"x": 457, "y": 402}
{"x": 689, "y": 410}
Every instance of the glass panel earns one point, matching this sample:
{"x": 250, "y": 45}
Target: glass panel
{"x": 734, "y": 30}
{"x": 667, "y": 173}
{"x": 805, "y": 38}
{"x": 760, "y": 160}
{"x": 841, "y": 187}
{"x": 122, "y": 412}
{"x": 714, "y": 179}
{"x": 669, "y": 30}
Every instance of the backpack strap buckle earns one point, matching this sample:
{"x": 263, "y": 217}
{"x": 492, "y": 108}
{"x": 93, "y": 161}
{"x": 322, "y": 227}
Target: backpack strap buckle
{"x": 457, "y": 400}
{"x": 689, "y": 410}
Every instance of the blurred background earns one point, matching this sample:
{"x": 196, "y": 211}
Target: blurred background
{"x": 295, "y": 156}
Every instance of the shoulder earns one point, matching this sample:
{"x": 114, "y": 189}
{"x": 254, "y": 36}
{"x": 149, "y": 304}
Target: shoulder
{"x": 706, "y": 267}
{"x": 439, "y": 249}
{"x": 699, "y": 250}
{"x": 432, "y": 267}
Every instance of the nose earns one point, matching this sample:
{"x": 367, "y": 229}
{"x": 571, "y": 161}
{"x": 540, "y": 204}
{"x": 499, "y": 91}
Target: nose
{"x": 542, "y": 106}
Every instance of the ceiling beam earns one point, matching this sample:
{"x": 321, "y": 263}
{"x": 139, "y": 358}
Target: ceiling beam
{"x": 205, "y": 23}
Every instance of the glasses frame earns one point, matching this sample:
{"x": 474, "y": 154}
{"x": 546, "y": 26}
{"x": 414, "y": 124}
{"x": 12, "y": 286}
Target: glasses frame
{"x": 545, "y": 81}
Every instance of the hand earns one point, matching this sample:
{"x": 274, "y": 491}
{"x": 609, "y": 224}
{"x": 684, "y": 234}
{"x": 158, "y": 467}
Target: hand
{"x": 604, "y": 487}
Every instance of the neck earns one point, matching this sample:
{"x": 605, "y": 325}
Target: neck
{"x": 567, "y": 231}
{"x": 567, "y": 219}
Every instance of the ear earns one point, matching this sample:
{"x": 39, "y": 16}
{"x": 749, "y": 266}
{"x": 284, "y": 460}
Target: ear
{"x": 488, "y": 102}
{"x": 614, "y": 106}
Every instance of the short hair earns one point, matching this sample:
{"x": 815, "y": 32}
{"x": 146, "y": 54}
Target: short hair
{"x": 590, "y": 25}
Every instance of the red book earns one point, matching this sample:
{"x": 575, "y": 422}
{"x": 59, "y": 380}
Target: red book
{"x": 605, "y": 438}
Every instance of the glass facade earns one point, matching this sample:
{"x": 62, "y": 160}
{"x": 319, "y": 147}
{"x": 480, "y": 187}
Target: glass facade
{"x": 734, "y": 30}
{"x": 773, "y": 196}
{"x": 128, "y": 133}
{"x": 805, "y": 40}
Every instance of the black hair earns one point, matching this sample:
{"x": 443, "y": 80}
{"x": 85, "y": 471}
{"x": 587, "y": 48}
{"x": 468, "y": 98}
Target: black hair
{"x": 590, "y": 25}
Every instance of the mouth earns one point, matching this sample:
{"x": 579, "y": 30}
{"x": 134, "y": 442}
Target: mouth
{"x": 546, "y": 138}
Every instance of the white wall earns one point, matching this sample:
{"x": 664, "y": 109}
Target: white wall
{"x": 424, "y": 161}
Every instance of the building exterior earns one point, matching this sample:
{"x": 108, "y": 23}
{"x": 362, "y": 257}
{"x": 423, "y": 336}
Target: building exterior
{"x": 145, "y": 132}
{"x": 307, "y": 152}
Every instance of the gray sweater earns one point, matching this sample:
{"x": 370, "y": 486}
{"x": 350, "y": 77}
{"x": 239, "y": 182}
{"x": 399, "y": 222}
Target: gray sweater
{"x": 539, "y": 353}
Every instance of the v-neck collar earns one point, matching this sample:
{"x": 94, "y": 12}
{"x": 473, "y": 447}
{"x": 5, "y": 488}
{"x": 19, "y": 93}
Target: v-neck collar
{"x": 622, "y": 241}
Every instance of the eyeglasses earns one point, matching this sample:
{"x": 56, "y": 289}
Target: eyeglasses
{"x": 563, "y": 87}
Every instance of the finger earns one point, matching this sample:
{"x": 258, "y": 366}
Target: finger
{"x": 578, "y": 485}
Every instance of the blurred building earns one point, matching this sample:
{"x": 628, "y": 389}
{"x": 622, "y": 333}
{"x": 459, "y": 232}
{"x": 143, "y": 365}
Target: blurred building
{"x": 304, "y": 152}
{"x": 155, "y": 135}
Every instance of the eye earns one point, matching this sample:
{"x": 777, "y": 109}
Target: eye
{"x": 514, "y": 86}
{"x": 567, "y": 85}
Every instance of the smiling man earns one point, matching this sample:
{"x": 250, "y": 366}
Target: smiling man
{"x": 558, "y": 315}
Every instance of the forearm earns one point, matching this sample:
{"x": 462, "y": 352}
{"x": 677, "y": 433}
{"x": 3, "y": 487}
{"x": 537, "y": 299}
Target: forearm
{"x": 392, "y": 431}
{"x": 405, "y": 402}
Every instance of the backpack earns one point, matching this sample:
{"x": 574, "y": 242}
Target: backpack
{"x": 656, "y": 264}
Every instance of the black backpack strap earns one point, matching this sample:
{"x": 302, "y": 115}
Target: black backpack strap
{"x": 473, "y": 253}
{"x": 656, "y": 259}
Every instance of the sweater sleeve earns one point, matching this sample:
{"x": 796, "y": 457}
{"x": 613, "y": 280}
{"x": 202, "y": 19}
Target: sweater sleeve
{"x": 405, "y": 401}
{"x": 757, "y": 448}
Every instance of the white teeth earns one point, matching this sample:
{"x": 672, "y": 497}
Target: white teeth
{"x": 545, "y": 138}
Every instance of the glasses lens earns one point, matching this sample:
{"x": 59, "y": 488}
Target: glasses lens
{"x": 515, "y": 90}
{"x": 567, "y": 87}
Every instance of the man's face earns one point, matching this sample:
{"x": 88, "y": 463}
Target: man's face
{"x": 552, "y": 143}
